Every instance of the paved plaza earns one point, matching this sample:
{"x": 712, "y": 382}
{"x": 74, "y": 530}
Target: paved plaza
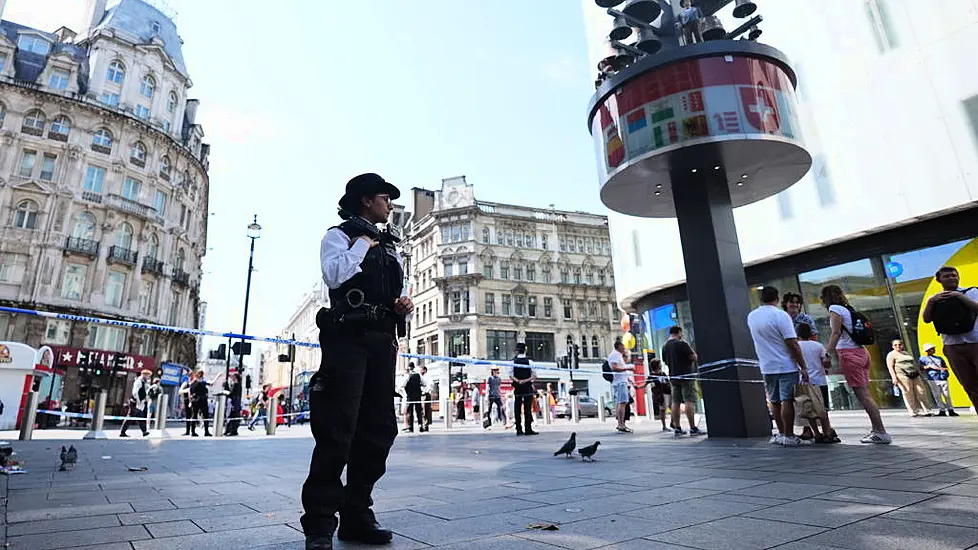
{"x": 469, "y": 490}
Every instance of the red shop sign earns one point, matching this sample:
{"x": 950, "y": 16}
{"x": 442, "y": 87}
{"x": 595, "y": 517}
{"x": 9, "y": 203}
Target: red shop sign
{"x": 76, "y": 357}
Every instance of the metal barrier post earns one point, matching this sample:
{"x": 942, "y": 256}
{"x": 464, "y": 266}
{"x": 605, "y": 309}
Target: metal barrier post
{"x": 446, "y": 410}
{"x": 271, "y": 417}
{"x": 161, "y": 405}
{"x": 575, "y": 412}
{"x": 484, "y": 408}
{"x": 547, "y": 413}
{"x": 601, "y": 412}
{"x": 96, "y": 428}
{"x": 649, "y": 405}
{"x": 219, "y": 413}
{"x": 30, "y": 416}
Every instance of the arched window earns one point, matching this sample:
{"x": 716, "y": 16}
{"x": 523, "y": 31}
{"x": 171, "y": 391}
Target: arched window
{"x": 181, "y": 258}
{"x": 153, "y": 248}
{"x": 165, "y": 166}
{"x": 61, "y": 125}
{"x": 116, "y": 73}
{"x": 25, "y": 216}
{"x": 171, "y": 103}
{"x": 35, "y": 120}
{"x": 147, "y": 87}
{"x": 84, "y": 227}
{"x": 102, "y": 138}
{"x": 138, "y": 152}
{"x": 583, "y": 345}
{"x": 123, "y": 238}
{"x": 595, "y": 348}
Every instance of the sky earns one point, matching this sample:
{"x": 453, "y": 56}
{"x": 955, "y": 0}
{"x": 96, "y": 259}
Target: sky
{"x": 297, "y": 99}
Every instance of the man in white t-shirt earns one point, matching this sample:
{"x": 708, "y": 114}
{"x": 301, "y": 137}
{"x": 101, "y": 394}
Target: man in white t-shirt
{"x": 952, "y": 311}
{"x": 781, "y": 361}
{"x": 619, "y": 384}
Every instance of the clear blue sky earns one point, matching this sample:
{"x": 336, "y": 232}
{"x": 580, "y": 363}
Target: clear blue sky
{"x": 300, "y": 95}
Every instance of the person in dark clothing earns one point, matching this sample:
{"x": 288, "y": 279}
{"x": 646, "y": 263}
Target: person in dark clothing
{"x": 198, "y": 404}
{"x": 188, "y": 410}
{"x": 681, "y": 359}
{"x": 351, "y": 397}
{"x": 138, "y": 404}
{"x": 522, "y": 379}
{"x": 412, "y": 389}
{"x": 494, "y": 385}
{"x": 234, "y": 394}
{"x": 426, "y": 396}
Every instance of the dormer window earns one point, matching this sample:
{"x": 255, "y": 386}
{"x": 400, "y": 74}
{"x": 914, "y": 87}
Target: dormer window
{"x": 156, "y": 27}
{"x": 32, "y": 43}
{"x": 59, "y": 79}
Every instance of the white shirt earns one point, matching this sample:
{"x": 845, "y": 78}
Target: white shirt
{"x": 968, "y": 337}
{"x": 340, "y": 260}
{"x": 621, "y": 377}
{"x": 845, "y": 341}
{"x": 136, "y": 385}
{"x": 769, "y": 327}
{"x": 425, "y": 384}
{"x": 813, "y": 352}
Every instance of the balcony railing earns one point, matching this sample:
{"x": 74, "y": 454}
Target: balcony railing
{"x": 58, "y": 136}
{"x": 87, "y": 247}
{"x": 131, "y": 206}
{"x": 181, "y": 277}
{"x": 120, "y": 255}
{"x": 92, "y": 196}
{"x": 152, "y": 265}
{"x": 101, "y": 149}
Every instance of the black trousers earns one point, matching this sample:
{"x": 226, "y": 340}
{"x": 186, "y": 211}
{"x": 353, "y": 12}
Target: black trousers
{"x": 351, "y": 408}
{"x": 523, "y": 404}
{"x": 232, "y": 427}
{"x": 200, "y": 412}
{"x": 134, "y": 412}
{"x": 415, "y": 410}
{"x": 500, "y": 409}
{"x": 427, "y": 409}
{"x": 188, "y": 413}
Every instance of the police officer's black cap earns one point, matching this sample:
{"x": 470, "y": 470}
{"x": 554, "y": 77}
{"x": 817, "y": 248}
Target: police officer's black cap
{"x": 366, "y": 185}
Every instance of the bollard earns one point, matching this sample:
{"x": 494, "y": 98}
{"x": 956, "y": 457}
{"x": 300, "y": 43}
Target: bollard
{"x": 219, "y": 414}
{"x": 30, "y": 416}
{"x": 161, "y": 405}
{"x": 484, "y": 408}
{"x": 575, "y": 412}
{"x": 271, "y": 417}
{"x": 96, "y": 428}
{"x": 547, "y": 413}
{"x": 446, "y": 411}
{"x": 602, "y": 416}
{"x": 649, "y": 405}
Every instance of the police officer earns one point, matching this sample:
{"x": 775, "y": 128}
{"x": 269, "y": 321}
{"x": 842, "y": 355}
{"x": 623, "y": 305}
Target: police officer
{"x": 351, "y": 397}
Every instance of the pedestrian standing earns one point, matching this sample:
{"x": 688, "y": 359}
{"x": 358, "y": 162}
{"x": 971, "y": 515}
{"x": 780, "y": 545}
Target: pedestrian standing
{"x": 522, "y": 379}
{"x": 188, "y": 412}
{"x": 263, "y": 406}
{"x": 426, "y": 396}
{"x": 619, "y": 385}
{"x": 661, "y": 391}
{"x": 234, "y": 395}
{"x": 905, "y": 373}
{"x": 494, "y": 387}
{"x": 138, "y": 403}
{"x": 816, "y": 361}
{"x": 681, "y": 360}
{"x": 199, "y": 404}
{"x": 936, "y": 373}
{"x": 954, "y": 312}
{"x": 476, "y": 397}
{"x": 412, "y": 390}
{"x": 350, "y": 398}
{"x": 154, "y": 393}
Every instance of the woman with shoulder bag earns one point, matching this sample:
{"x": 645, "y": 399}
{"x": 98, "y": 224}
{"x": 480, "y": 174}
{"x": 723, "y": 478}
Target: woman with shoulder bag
{"x": 905, "y": 372}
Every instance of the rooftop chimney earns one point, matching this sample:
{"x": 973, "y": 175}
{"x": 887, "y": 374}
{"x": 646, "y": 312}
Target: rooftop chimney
{"x": 190, "y": 114}
{"x": 93, "y": 14}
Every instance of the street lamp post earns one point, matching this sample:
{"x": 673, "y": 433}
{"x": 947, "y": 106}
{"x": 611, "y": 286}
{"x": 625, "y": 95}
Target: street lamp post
{"x": 254, "y": 232}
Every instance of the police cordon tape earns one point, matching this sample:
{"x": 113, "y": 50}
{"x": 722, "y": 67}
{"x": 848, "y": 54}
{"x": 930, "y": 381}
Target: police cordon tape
{"x": 704, "y": 369}
{"x": 88, "y": 416}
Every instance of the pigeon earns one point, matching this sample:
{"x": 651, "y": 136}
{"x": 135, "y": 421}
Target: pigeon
{"x": 71, "y": 457}
{"x": 64, "y": 459}
{"x": 568, "y": 448}
{"x": 588, "y": 452}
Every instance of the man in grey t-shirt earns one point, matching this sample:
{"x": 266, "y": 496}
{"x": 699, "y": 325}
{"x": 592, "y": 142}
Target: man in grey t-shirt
{"x": 493, "y": 383}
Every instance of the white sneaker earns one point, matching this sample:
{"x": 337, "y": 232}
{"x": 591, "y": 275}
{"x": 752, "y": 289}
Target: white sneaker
{"x": 878, "y": 438}
{"x": 794, "y": 441}
{"x": 776, "y": 439}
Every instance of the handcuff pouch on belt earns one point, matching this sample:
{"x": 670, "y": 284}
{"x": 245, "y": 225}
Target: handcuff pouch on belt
{"x": 359, "y": 315}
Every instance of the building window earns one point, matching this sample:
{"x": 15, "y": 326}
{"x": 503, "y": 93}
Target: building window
{"x": 106, "y": 338}
{"x": 592, "y": 310}
{"x": 84, "y": 227}
{"x": 485, "y": 235}
{"x": 448, "y": 268}
{"x": 577, "y": 275}
{"x": 564, "y": 275}
{"x": 500, "y": 237}
{"x": 27, "y": 162}
{"x": 12, "y": 268}
{"x": 540, "y": 346}
{"x": 500, "y": 344}
{"x": 504, "y": 269}
{"x": 147, "y": 87}
{"x": 457, "y": 343}
{"x": 94, "y": 178}
{"x": 519, "y": 303}
{"x": 165, "y": 167}
{"x": 35, "y": 44}
{"x": 34, "y": 123}
{"x": 531, "y": 306}
{"x": 25, "y": 217}
{"x": 123, "y": 239}
{"x": 517, "y": 271}
{"x": 174, "y": 314}
{"x": 490, "y": 303}
{"x": 59, "y": 79}
{"x": 531, "y": 273}
{"x": 487, "y": 269}
{"x": 583, "y": 347}
{"x": 48, "y": 164}
{"x": 171, "y": 103}
{"x": 548, "y": 307}
{"x": 589, "y": 275}
{"x": 73, "y": 281}
{"x": 102, "y": 138}
{"x": 595, "y": 349}
{"x": 881, "y": 24}
{"x": 543, "y": 241}
{"x": 155, "y": 27}
{"x": 582, "y": 310}
{"x": 115, "y": 282}
{"x": 420, "y": 346}
{"x": 179, "y": 261}
{"x": 602, "y": 277}
{"x": 433, "y": 344}
{"x": 147, "y": 346}
{"x": 519, "y": 239}
{"x": 153, "y": 248}
{"x": 463, "y": 266}
{"x": 142, "y": 111}
{"x": 3, "y": 62}
{"x": 159, "y": 203}
{"x": 57, "y": 332}
{"x": 562, "y": 243}
{"x": 110, "y": 98}
{"x": 509, "y": 237}
{"x": 547, "y": 275}
{"x": 456, "y": 301}
{"x": 138, "y": 152}
{"x": 116, "y": 72}
{"x": 506, "y": 304}
{"x": 130, "y": 188}
{"x": 61, "y": 126}
{"x": 568, "y": 310}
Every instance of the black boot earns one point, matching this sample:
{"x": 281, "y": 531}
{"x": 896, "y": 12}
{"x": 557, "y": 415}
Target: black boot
{"x": 362, "y": 527}
{"x": 323, "y": 542}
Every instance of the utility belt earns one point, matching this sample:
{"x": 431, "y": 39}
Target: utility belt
{"x": 365, "y": 317}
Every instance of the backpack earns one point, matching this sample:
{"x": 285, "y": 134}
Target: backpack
{"x": 862, "y": 328}
{"x": 953, "y": 316}
{"x": 606, "y": 371}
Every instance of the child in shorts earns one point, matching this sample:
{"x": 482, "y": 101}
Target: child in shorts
{"x": 816, "y": 361}
{"x": 661, "y": 392}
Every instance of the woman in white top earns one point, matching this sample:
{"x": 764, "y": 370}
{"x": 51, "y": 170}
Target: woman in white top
{"x": 853, "y": 358}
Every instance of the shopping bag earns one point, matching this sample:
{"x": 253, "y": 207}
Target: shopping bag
{"x": 808, "y": 401}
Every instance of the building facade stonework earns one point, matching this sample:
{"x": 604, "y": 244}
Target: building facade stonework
{"x": 484, "y": 276}
{"x": 103, "y": 184}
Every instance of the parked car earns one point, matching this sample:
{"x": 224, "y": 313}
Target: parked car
{"x": 586, "y": 407}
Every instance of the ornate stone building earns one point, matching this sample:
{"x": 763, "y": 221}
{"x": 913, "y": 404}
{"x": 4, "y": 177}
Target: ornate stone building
{"x": 485, "y": 276}
{"x": 103, "y": 190}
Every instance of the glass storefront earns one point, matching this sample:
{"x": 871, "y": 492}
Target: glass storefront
{"x": 890, "y": 289}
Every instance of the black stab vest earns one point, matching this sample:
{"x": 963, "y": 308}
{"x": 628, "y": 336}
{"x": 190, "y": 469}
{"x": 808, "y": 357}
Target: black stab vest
{"x": 381, "y": 278}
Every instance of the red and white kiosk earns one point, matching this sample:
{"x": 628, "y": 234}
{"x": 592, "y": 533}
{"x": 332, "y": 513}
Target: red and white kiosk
{"x": 22, "y": 369}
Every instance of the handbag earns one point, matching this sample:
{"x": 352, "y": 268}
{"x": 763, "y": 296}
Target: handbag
{"x": 808, "y": 402}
